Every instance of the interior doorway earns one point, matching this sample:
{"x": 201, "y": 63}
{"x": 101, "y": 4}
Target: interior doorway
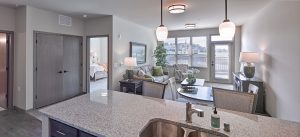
{"x": 97, "y": 62}
{"x": 6, "y": 66}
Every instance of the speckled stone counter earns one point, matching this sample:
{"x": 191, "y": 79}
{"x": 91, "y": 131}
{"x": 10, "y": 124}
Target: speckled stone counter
{"x": 116, "y": 114}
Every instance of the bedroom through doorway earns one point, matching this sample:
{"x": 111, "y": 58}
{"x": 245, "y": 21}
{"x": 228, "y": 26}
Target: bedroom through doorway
{"x": 98, "y": 59}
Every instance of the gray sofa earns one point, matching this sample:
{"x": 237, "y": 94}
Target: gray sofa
{"x": 148, "y": 69}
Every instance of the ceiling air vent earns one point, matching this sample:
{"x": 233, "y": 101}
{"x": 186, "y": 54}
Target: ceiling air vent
{"x": 64, "y": 20}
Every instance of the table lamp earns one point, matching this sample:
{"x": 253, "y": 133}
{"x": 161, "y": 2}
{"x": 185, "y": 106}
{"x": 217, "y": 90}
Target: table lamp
{"x": 130, "y": 62}
{"x": 249, "y": 58}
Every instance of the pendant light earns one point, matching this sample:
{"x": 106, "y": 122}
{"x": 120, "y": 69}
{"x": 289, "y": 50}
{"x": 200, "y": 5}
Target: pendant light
{"x": 227, "y": 28}
{"x": 161, "y": 31}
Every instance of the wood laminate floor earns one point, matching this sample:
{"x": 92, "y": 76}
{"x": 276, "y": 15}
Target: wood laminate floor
{"x": 16, "y": 123}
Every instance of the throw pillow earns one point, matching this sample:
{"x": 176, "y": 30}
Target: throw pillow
{"x": 141, "y": 73}
{"x": 149, "y": 77}
{"x": 158, "y": 71}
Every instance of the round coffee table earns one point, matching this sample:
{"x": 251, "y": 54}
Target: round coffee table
{"x": 202, "y": 94}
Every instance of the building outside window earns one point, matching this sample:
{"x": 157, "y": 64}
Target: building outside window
{"x": 170, "y": 46}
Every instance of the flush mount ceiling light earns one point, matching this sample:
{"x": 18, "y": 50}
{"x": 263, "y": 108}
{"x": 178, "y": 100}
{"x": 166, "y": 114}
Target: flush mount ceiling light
{"x": 227, "y": 28}
{"x": 190, "y": 26}
{"x": 176, "y": 8}
{"x": 161, "y": 31}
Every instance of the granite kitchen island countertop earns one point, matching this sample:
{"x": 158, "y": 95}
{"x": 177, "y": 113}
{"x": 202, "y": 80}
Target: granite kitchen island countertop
{"x": 116, "y": 114}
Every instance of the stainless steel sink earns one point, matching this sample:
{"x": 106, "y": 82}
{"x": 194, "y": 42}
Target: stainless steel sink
{"x": 166, "y": 128}
{"x": 201, "y": 134}
{"x": 159, "y": 128}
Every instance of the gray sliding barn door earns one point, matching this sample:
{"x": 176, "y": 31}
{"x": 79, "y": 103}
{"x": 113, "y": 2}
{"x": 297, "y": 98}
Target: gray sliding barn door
{"x": 3, "y": 70}
{"x": 49, "y": 74}
{"x": 72, "y": 66}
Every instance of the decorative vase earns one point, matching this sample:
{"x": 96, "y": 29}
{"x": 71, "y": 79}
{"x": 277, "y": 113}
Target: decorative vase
{"x": 129, "y": 74}
{"x": 249, "y": 71}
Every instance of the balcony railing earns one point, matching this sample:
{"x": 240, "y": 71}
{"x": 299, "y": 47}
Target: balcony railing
{"x": 222, "y": 67}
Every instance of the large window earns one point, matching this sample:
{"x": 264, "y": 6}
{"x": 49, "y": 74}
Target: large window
{"x": 187, "y": 50}
{"x": 170, "y": 46}
{"x": 199, "y": 52}
{"x": 183, "y": 48}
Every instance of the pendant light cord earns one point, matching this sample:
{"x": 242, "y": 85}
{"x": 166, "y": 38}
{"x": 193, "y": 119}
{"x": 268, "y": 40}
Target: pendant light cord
{"x": 161, "y": 12}
{"x": 226, "y": 10}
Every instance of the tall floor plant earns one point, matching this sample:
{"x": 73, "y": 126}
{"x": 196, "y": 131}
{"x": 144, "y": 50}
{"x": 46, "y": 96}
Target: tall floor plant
{"x": 160, "y": 54}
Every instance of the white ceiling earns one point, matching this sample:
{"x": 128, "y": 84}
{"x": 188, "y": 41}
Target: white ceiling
{"x": 204, "y": 13}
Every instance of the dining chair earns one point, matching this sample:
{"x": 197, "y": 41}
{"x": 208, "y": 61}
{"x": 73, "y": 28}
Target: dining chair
{"x": 154, "y": 89}
{"x": 253, "y": 89}
{"x": 173, "y": 87}
{"x": 234, "y": 100}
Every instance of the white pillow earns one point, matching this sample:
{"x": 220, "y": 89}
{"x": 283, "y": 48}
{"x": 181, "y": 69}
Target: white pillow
{"x": 141, "y": 73}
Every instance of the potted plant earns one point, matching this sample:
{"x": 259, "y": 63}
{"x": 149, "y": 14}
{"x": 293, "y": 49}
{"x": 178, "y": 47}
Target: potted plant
{"x": 160, "y": 54}
{"x": 191, "y": 79}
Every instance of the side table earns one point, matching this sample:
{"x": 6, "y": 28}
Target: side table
{"x": 241, "y": 83}
{"x": 132, "y": 85}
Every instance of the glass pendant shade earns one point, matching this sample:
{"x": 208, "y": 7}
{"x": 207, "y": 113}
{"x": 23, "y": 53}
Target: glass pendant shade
{"x": 227, "y": 29}
{"x": 161, "y": 33}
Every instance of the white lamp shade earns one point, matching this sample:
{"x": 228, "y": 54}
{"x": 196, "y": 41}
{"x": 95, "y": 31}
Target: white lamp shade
{"x": 161, "y": 33}
{"x": 227, "y": 29}
{"x": 175, "y": 9}
{"x": 249, "y": 57}
{"x": 130, "y": 61}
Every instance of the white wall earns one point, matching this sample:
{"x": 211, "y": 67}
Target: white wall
{"x": 205, "y": 72}
{"x": 7, "y": 16}
{"x": 19, "y": 89}
{"x": 28, "y": 20}
{"x": 124, "y": 32}
{"x": 46, "y": 21}
{"x": 103, "y": 50}
{"x": 100, "y": 47}
{"x": 275, "y": 33}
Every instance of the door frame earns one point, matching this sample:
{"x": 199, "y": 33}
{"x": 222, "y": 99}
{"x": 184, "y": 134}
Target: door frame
{"x": 35, "y": 62}
{"x": 88, "y": 60}
{"x": 210, "y": 55}
{"x": 10, "y": 68}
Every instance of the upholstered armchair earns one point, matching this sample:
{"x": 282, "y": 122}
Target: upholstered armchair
{"x": 182, "y": 71}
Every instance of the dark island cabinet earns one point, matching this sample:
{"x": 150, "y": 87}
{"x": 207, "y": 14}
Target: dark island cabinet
{"x": 58, "y": 129}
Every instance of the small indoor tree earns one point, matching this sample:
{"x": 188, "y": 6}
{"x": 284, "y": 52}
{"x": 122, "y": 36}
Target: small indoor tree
{"x": 160, "y": 54}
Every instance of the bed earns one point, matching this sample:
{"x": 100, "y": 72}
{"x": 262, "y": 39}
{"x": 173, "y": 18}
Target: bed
{"x": 98, "y": 71}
